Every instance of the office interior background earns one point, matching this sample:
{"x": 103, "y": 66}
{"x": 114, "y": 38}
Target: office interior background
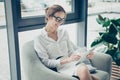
{"x": 21, "y": 20}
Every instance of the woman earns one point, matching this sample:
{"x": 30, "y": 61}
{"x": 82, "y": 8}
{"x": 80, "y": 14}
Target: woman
{"x": 54, "y": 47}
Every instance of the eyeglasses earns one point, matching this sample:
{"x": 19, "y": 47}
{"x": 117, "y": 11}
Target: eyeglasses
{"x": 59, "y": 19}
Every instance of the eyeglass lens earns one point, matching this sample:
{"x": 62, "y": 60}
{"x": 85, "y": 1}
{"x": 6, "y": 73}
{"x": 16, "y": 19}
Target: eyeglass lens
{"x": 58, "y": 19}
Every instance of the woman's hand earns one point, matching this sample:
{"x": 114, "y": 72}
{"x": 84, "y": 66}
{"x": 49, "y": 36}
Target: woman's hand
{"x": 74, "y": 57}
{"x": 90, "y": 55}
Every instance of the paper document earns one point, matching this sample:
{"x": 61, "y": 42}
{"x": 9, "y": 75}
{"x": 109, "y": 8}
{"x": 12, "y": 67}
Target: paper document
{"x": 84, "y": 56}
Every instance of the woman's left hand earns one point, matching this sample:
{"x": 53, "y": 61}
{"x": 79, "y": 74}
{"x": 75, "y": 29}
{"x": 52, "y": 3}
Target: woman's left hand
{"x": 90, "y": 55}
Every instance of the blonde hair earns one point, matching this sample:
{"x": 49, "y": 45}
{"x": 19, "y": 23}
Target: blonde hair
{"x": 50, "y": 11}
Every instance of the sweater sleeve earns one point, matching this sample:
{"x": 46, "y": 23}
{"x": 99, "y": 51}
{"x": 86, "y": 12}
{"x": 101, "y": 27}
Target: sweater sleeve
{"x": 71, "y": 47}
{"x": 42, "y": 53}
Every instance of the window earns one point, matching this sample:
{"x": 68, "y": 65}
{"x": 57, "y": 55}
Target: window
{"x": 33, "y": 18}
{"x": 17, "y": 22}
{"x": 37, "y": 7}
{"x": 2, "y": 14}
{"x": 109, "y": 8}
{"x": 4, "y": 57}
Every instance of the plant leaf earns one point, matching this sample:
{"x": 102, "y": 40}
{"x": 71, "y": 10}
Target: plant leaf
{"x": 100, "y": 20}
{"x": 117, "y": 62}
{"x": 112, "y": 30}
{"x": 96, "y": 42}
{"x": 117, "y": 58}
{"x": 100, "y": 17}
{"x": 115, "y": 22}
{"x": 112, "y": 52}
{"x": 106, "y": 22}
{"x": 119, "y": 44}
{"x": 109, "y": 38}
{"x": 118, "y": 21}
{"x": 101, "y": 33}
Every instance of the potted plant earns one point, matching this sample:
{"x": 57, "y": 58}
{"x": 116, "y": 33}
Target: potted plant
{"x": 109, "y": 37}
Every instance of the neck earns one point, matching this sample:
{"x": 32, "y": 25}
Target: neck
{"x": 52, "y": 34}
{"x": 50, "y": 30}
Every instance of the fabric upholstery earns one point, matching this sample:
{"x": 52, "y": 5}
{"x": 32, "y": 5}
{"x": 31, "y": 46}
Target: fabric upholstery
{"x": 33, "y": 69}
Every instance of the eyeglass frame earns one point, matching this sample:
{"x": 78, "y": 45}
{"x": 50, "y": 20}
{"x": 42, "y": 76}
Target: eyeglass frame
{"x": 59, "y": 19}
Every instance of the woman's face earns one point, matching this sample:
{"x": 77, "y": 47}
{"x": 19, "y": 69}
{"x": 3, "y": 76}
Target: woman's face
{"x": 56, "y": 20}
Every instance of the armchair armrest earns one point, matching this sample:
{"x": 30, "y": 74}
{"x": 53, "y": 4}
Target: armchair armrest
{"x": 47, "y": 74}
{"x": 102, "y": 61}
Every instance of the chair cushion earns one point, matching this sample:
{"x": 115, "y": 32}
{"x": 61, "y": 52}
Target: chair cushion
{"x": 102, "y": 75}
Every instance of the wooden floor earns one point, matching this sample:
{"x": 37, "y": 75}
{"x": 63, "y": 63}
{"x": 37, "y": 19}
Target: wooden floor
{"x": 115, "y": 79}
{"x": 115, "y": 71}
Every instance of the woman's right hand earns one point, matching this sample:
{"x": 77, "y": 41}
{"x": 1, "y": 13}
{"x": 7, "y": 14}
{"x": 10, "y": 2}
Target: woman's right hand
{"x": 74, "y": 57}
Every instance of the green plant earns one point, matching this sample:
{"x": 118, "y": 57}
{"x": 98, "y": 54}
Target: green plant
{"x": 110, "y": 37}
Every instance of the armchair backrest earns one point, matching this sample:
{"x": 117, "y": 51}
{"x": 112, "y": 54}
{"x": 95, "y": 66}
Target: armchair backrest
{"x": 33, "y": 68}
{"x": 29, "y": 60}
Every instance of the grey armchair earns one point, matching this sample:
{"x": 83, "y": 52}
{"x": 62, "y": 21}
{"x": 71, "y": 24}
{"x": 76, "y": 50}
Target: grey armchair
{"x": 33, "y": 69}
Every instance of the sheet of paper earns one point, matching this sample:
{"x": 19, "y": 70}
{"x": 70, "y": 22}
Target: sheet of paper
{"x": 83, "y": 57}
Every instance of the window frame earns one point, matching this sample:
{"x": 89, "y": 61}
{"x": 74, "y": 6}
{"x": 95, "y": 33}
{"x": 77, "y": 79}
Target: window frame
{"x": 15, "y": 23}
{"x": 39, "y": 21}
